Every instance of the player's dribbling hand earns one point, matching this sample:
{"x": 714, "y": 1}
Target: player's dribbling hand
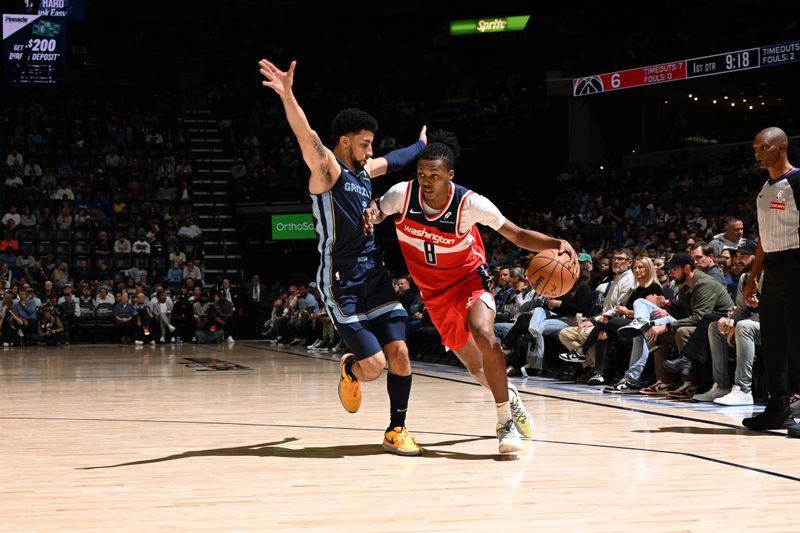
{"x": 566, "y": 248}
{"x": 423, "y": 135}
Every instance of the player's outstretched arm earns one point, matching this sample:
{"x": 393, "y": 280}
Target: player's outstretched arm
{"x": 536, "y": 241}
{"x": 397, "y": 159}
{"x": 324, "y": 169}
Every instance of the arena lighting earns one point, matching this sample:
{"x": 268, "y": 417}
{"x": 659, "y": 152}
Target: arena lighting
{"x": 714, "y": 101}
{"x": 726, "y": 62}
{"x": 488, "y": 25}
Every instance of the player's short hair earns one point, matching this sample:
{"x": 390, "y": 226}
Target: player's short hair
{"x": 442, "y": 145}
{"x": 352, "y": 120}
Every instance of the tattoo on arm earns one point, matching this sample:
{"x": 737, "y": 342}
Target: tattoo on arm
{"x": 319, "y": 149}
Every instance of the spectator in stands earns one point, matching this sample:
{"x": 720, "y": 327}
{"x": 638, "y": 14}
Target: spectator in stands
{"x": 617, "y": 292}
{"x": 192, "y": 271}
{"x": 103, "y": 247}
{"x": 603, "y": 275}
{"x": 64, "y": 192}
{"x": 183, "y": 171}
{"x": 189, "y": 233}
{"x": 209, "y": 325}
{"x": 703, "y": 255}
{"x": 162, "y": 312}
{"x": 175, "y": 275}
{"x": 69, "y": 311}
{"x": 50, "y": 331}
{"x": 64, "y": 219}
{"x": 224, "y": 312}
{"x": 143, "y": 332}
{"x": 9, "y": 241}
{"x": 183, "y": 317}
{"x": 14, "y": 159}
{"x": 25, "y": 259}
{"x": 9, "y": 260}
{"x": 27, "y": 223}
{"x": 84, "y": 273}
{"x": 11, "y": 325}
{"x": 502, "y": 288}
{"x": 177, "y": 255}
{"x": 122, "y": 246}
{"x": 27, "y": 312}
{"x": 104, "y": 297}
{"x": 141, "y": 248}
{"x": 731, "y": 238}
{"x": 553, "y": 315}
{"x": 123, "y": 318}
{"x": 742, "y": 331}
{"x": 12, "y": 215}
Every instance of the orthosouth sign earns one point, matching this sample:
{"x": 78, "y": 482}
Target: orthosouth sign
{"x": 290, "y": 227}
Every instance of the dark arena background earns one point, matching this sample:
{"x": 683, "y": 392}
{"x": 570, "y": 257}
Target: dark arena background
{"x": 144, "y": 165}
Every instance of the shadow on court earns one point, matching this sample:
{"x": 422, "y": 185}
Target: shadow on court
{"x": 690, "y": 430}
{"x": 275, "y": 449}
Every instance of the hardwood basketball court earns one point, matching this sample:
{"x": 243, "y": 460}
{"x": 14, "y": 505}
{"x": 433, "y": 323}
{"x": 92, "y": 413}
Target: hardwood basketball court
{"x": 250, "y": 438}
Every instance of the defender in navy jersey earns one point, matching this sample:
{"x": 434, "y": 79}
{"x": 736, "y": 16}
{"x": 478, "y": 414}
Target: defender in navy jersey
{"x": 352, "y": 279}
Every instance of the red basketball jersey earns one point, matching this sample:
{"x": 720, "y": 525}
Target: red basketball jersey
{"x": 437, "y": 255}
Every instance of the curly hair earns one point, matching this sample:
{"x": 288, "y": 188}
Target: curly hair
{"x": 352, "y": 120}
{"x": 442, "y": 145}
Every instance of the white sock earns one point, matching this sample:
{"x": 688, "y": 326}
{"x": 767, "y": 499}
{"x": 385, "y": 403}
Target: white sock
{"x": 503, "y": 412}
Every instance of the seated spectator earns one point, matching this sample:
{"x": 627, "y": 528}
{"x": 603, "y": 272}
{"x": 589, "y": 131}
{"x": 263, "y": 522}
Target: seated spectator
{"x": 143, "y": 326}
{"x": 27, "y": 312}
{"x": 703, "y": 255}
{"x": 741, "y": 330}
{"x": 8, "y": 258}
{"x": 552, "y": 316}
{"x": 175, "y": 275}
{"x": 11, "y": 325}
{"x": 209, "y": 325}
{"x": 731, "y": 238}
{"x": 64, "y": 219}
{"x": 192, "y": 271}
{"x": 123, "y": 318}
{"x": 141, "y": 248}
{"x": 104, "y": 297}
{"x": 617, "y": 293}
{"x": 122, "y": 246}
{"x": 183, "y": 317}
{"x": 60, "y": 275}
{"x": 84, "y": 273}
{"x": 12, "y": 215}
{"x": 162, "y": 313}
{"x": 224, "y": 311}
{"x": 189, "y": 233}
{"x": 176, "y": 254}
{"x": 27, "y": 223}
{"x": 25, "y": 259}
{"x": 51, "y": 330}
{"x": 103, "y": 247}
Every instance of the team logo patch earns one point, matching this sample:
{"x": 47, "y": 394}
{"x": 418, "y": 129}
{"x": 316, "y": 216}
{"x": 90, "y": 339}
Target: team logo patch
{"x": 780, "y": 206}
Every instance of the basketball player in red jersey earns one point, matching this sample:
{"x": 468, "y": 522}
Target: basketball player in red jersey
{"x": 435, "y": 220}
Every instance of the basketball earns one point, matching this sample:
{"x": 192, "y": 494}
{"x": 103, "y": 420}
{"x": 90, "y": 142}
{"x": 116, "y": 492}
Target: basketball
{"x": 549, "y": 274}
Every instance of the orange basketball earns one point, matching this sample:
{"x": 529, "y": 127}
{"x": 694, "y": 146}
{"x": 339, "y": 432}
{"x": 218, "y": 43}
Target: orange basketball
{"x": 549, "y": 274}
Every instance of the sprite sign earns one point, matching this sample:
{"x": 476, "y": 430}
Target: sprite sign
{"x": 490, "y": 25}
{"x": 299, "y": 226}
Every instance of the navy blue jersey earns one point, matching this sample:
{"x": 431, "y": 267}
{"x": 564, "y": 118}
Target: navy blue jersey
{"x": 338, "y": 214}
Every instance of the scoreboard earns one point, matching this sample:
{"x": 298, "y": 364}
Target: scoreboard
{"x": 739, "y": 60}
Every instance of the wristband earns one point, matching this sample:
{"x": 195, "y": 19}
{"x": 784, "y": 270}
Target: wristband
{"x": 397, "y": 159}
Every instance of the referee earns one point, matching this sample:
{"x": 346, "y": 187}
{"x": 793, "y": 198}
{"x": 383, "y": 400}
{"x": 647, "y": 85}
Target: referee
{"x": 778, "y": 256}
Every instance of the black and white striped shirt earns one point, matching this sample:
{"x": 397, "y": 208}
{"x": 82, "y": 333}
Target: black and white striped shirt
{"x": 778, "y": 216}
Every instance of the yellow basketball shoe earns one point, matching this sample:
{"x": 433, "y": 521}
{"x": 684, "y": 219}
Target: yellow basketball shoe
{"x": 349, "y": 388}
{"x": 400, "y": 441}
{"x": 523, "y": 420}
